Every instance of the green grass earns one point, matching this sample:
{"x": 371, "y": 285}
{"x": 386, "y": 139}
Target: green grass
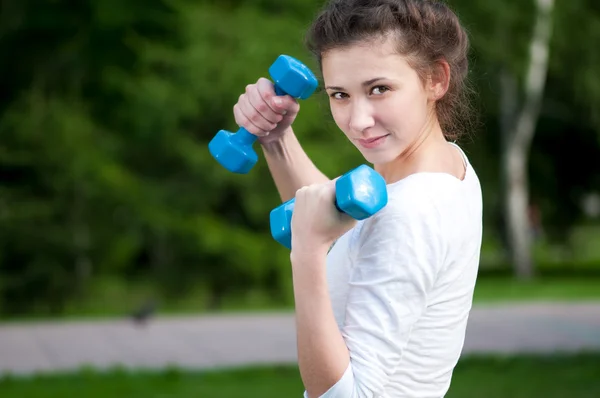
{"x": 476, "y": 377}
{"x": 508, "y": 289}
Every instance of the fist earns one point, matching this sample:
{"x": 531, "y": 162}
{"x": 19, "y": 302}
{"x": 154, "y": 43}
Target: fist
{"x": 316, "y": 221}
{"x": 264, "y": 114}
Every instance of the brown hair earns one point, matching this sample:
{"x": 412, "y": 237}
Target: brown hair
{"x": 426, "y": 31}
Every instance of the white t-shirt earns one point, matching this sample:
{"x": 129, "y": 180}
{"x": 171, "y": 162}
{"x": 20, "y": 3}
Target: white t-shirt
{"x": 401, "y": 285}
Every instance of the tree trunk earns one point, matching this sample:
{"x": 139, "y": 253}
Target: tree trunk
{"x": 516, "y": 203}
{"x": 517, "y": 138}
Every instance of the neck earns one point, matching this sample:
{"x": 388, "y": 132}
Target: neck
{"x": 409, "y": 161}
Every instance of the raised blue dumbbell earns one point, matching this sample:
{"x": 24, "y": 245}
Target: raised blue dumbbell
{"x": 360, "y": 193}
{"x": 234, "y": 150}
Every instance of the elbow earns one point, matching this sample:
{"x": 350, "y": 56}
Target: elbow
{"x": 356, "y": 382}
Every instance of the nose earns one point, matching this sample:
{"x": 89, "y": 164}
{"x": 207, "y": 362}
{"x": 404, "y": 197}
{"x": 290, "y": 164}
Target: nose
{"x": 361, "y": 116}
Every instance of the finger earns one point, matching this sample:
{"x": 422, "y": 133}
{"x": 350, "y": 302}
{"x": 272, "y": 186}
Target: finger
{"x": 266, "y": 90}
{"x": 328, "y": 190}
{"x": 256, "y": 99}
{"x": 254, "y": 116}
{"x": 285, "y": 104}
{"x": 332, "y": 183}
{"x": 301, "y": 191}
{"x": 280, "y": 104}
{"x": 243, "y": 121}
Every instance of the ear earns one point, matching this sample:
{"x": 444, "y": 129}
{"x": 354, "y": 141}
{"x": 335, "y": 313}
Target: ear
{"x": 439, "y": 80}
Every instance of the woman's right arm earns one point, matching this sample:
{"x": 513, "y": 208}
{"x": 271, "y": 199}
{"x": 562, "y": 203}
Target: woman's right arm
{"x": 290, "y": 166}
{"x": 270, "y": 117}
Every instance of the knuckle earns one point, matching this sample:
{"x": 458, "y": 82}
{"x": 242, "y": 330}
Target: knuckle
{"x": 310, "y": 190}
{"x": 267, "y": 92}
{"x": 265, "y": 87}
{"x": 300, "y": 191}
{"x": 255, "y": 117}
{"x": 262, "y": 107}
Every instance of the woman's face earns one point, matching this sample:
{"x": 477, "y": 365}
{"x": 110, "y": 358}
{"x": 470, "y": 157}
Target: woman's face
{"x": 376, "y": 99}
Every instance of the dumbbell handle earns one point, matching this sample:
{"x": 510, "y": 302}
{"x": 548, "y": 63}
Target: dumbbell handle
{"x": 245, "y": 137}
{"x": 291, "y": 203}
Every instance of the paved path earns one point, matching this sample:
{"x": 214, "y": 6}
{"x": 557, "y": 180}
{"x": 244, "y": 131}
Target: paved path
{"x": 233, "y": 340}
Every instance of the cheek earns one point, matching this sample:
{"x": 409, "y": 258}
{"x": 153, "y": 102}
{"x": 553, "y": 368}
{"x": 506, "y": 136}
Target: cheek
{"x": 408, "y": 111}
{"x": 340, "y": 117}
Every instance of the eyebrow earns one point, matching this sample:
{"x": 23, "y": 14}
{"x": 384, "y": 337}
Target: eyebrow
{"x": 364, "y": 84}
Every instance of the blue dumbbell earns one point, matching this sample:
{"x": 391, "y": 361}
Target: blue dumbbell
{"x": 234, "y": 150}
{"x": 360, "y": 193}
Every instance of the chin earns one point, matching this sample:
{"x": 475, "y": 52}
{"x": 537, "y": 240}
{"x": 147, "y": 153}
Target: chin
{"x": 379, "y": 157}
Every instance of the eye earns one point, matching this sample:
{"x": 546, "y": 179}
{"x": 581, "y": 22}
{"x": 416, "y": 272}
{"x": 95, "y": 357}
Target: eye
{"x": 338, "y": 95}
{"x": 378, "y": 90}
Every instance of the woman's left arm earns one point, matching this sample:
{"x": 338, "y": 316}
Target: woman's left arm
{"x": 322, "y": 353}
{"x": 323, "y": 356}
{"x": 395, "y": 269}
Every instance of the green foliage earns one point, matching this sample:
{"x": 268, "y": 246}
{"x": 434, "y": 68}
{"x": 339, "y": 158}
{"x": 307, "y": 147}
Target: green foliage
{"x": 104, "y": 151}
{"x": 107, "y": 108}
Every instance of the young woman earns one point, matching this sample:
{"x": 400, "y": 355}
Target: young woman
{"x": 383, "y": 312}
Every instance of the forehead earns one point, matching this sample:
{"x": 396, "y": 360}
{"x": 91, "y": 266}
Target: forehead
{"x": 362, "y": 61}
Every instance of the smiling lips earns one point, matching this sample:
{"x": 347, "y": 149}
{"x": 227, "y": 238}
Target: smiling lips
{"x": 372, "y": 142}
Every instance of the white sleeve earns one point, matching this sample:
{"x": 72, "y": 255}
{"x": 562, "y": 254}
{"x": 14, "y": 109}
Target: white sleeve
{"x": 397, "y": 262}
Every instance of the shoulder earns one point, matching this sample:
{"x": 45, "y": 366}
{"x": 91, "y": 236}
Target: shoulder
{"x": 418, "y": 198}
{"x": 406, "y": 237}
{"x": 413, "y": 212}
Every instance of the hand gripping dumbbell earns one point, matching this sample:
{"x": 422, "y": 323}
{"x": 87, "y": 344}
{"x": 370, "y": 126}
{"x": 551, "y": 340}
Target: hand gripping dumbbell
{"x": 234, "y": 150}
{"x": 360, "y": 193}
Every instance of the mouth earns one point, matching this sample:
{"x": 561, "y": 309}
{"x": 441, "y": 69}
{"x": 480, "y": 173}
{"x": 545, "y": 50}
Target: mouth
{"x": 372, "y": 142}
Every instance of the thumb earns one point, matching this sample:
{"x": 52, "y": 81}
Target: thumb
{"x": 343, "y": 216}
{"x": 331, "y": 185}
{"x": 285, "y": 104}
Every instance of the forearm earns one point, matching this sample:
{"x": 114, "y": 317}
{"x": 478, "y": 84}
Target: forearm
{"x": 290, "y": 166}
{"x": 322, "y": 353}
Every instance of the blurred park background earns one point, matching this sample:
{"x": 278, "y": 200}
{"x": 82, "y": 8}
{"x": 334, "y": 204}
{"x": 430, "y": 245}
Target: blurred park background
{"x": 112, "y": 207}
